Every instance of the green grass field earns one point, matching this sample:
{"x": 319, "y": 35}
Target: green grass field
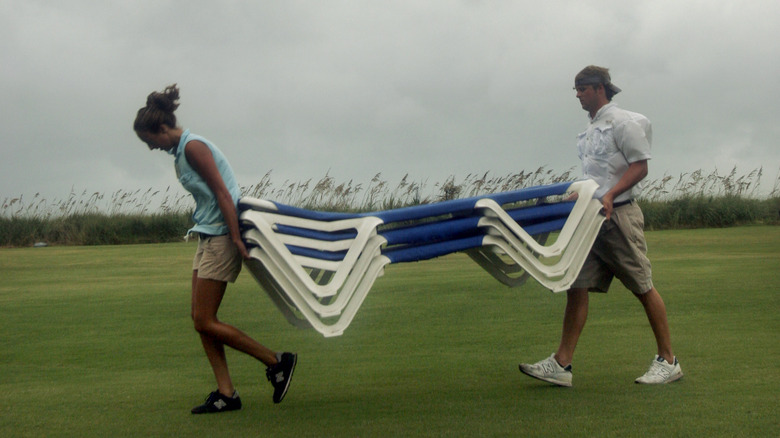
{"x": 97, "y": 341}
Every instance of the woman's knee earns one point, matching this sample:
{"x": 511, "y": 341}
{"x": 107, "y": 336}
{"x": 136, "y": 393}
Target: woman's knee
{"x": 202, "y": 323}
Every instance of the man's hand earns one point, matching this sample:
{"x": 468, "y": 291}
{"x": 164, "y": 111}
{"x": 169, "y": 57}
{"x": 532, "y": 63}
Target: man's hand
{"x": 607, "y": 203}
{"x": 635, "y": 173}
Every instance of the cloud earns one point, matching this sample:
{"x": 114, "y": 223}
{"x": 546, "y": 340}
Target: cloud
{"x": 352, "y": 89}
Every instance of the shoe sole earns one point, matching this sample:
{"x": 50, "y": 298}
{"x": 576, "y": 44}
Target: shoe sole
{"x": 674, "y": 378}
{"x": 289, "y": 379}
{"x": 544, "y": 379}
{"x": 196, "y": 411}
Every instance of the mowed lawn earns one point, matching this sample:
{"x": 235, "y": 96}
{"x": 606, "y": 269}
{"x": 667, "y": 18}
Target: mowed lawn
{"x": 97, "y": 341}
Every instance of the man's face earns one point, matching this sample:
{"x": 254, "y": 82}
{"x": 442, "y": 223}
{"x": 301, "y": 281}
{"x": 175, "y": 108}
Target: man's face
{"x": 589, "y": 97}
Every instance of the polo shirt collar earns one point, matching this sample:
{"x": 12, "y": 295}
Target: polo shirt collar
{"x": 601, "y": 111}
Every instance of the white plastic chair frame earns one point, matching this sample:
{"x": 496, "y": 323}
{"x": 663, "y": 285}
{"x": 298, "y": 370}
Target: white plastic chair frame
{"x": 326, "y": 294}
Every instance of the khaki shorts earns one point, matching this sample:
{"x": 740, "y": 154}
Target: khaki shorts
{"x": 619, "y": 251}
{"x": 217, "y": 258}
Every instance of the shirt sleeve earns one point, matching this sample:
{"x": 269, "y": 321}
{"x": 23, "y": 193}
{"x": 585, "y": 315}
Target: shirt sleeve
{"x": 633, "y": 140}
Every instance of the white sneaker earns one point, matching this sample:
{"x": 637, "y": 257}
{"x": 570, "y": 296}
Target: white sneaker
{"x": 661, "y": 372}
{"x": 548, "y": 370}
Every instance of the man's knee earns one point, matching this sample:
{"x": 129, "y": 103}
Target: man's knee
{"x": 646, "y": 295}
{"x": 577, "y": 293}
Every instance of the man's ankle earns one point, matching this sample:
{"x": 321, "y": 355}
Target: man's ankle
{"x": 563, "y": 364}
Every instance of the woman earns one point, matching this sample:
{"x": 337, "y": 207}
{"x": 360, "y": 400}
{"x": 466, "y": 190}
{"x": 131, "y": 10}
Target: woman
{"x": 206, "y": 174}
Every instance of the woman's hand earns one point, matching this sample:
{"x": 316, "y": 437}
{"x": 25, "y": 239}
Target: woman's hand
{"x": 241, "y": 248}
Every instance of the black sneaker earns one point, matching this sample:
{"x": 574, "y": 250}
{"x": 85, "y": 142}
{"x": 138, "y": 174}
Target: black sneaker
{"x": 216, "y": 402}
{"x": 280, "y": 375}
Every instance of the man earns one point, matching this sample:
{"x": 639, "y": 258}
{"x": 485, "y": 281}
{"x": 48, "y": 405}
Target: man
{"x": 614, "y": 151}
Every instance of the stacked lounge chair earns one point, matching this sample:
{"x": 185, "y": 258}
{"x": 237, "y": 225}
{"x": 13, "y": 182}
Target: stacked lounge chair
{"x": 318, "y": 267}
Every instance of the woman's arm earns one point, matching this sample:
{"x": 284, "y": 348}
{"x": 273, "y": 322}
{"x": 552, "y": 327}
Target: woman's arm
{"x": 200, "y": 158}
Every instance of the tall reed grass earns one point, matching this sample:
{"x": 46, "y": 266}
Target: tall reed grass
{"x": 378, "y": 194}
{"x": 699, "y": 184}
{"x": 695, "y": 199}
{"x": 136, "y": 202}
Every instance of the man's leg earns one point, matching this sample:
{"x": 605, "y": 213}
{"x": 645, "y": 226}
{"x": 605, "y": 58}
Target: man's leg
{"x": 574, "y": 318}
{"x": 656, "y": 314}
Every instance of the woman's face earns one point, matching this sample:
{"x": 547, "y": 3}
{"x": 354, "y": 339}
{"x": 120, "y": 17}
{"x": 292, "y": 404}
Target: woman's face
{"x": 160, "y": 140}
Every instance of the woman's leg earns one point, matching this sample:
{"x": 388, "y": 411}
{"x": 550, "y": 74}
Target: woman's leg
{"x": 206, "y": 298}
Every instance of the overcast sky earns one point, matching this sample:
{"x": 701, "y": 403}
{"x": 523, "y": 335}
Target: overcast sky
{"x": 429, "y": 88}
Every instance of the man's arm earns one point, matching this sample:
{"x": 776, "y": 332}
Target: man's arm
{"x": 636, "y": 172}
